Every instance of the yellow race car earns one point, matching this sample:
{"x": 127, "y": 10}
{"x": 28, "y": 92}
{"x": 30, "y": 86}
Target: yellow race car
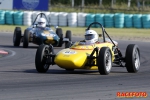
{"x": 98, "y": 56}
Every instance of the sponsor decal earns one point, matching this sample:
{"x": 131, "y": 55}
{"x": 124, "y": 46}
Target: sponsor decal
{"x": 69, "y": 52}
{"x": 30, "y": 4}
{"x": 131, "y": 94}
{"x": 41, "y": 5}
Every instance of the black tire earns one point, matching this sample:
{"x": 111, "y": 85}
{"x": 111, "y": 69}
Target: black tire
{"x": 132, "y": 58}
{"x": 26, "y": 39}
{"x": 104, "y": 61}
{"x": 17, "y": 36}
{"x": 40, "y": 58}
{"x": 60, "y": 35}
{"x": 68, "y": 35}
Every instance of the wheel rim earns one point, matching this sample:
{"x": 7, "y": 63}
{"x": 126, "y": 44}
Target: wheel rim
{"x": 46, "y": 66}
{"x": 108, "y": 61}
{"x": 136, "y": 59}
{"x": 46, "y": 51}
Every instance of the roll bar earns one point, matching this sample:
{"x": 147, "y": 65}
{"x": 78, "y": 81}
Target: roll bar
{"x": 103, "y": 31}
{"x": 41, "y": 14}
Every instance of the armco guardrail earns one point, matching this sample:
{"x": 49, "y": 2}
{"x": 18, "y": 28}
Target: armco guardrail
{"x": 117, "y": 20}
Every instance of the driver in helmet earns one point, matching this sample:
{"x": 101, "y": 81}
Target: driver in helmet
{"x": 41, "y": 23}
{"x": 91, "y": 37}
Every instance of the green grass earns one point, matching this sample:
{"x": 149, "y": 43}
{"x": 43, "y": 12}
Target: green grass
{"x": 79, "y": 31}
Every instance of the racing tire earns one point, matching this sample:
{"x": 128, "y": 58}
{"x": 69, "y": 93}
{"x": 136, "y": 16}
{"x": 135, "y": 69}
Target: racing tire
{"x": 68, "y": 35}
{"x": 132, "y": 58}
{"x": 17, "y": 36}
{"x": 60, "y": 35}
{"x": 40, "y": 58}
{"x": 104, "y": 61}
{"x": 26, "y": 39}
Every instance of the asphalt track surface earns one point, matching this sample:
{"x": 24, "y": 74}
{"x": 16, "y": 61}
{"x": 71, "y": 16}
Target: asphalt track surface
{"x": 19, "y": 79}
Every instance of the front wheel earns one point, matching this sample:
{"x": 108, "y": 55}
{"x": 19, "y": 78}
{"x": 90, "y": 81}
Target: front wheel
{"x": 104, "y": 61}
{"x": 41, "y": 58}
{"x": 132, "y": 58}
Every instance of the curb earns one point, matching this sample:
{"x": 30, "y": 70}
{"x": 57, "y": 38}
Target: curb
{"x": 3, "y": 52}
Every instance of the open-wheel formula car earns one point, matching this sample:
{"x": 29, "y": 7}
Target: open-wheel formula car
{"x": 39, "y": 35}
{"x": 100, "y": 56}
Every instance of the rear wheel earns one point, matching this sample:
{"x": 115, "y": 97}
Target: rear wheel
{"x": 26, "y": 39}
{"x": 68, "y": 35}
{"x": 60, "y": 35}
{"x": 41, "y": 58}
{"x": 17, "y": 36}
{"x": 132, "y": 58}
{"x": 104, "y": 61}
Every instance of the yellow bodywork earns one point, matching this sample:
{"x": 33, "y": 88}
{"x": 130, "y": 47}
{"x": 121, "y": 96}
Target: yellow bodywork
{"x": 75, "y": 57}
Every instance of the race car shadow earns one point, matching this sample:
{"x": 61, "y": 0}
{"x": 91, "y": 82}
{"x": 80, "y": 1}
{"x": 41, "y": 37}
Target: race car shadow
{"x": 62, "y": 71}
{"x": 83, "y": 72}
{"x": 58, "y": 70}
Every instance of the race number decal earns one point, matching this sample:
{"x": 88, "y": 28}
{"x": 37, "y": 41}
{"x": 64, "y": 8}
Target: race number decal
{"x": 69, "y": 52}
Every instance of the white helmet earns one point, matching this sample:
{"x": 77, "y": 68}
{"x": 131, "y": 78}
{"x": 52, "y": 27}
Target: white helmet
{"x": 91, "y": 36}
{"x": 42, "y": 22}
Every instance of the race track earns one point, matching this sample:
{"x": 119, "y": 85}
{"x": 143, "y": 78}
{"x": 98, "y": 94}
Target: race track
{"x": 19, "y": 79}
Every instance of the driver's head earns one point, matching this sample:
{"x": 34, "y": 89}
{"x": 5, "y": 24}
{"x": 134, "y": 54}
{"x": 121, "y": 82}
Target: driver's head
{"x": 42, "y": 22}
{"x": 91, "y": 36}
